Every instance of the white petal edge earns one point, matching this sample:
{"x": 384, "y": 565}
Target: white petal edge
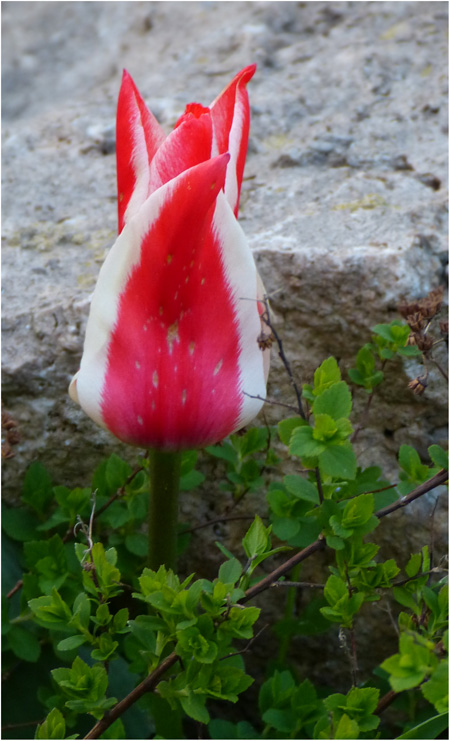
{"x": 246, "y": 289}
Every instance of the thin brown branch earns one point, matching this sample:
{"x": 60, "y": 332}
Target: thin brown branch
{"x": 365, "y": 413}
{"x": 272, "y": 401}
{"x": 147, "y": 685}
{"x": 24, "y": 724}
{"x": 440, "y": 369}
{"x": 298, "y": 584}
{"x": 318, "y": 545}
{"x": 16, "y": 588}
{"x": 248, "y": 645}
{"x": 437, "y": 480}
{"x": 385, "y": 701}
{"x": 267, "y": 320}
{"x": 319, "y": 484}
{"x": 217, "y": 521}
{"x": 268, "y": 580}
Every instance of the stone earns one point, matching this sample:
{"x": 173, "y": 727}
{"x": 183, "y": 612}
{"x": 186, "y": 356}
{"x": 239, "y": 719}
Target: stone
{"x": 344, "y": 200}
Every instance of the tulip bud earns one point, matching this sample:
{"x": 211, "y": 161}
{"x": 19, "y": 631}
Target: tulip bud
{"x": 171, "y": 357}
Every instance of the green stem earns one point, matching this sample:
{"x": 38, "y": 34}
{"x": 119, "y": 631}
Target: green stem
{"x": 289, "y": 611}
{"x": 163, "y": 508}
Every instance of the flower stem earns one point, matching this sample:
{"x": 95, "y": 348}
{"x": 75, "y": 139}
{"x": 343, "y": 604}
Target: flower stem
{"x": 163, "y": 508}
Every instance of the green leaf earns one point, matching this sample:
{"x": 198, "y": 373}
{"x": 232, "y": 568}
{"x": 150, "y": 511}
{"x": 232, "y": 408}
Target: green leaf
{"x": 413, "y": 565}
{"x": 117, "y": 472}
{"x": 335, "y": 401}
{"x": 284, "y": 721}
{"x": 137, "y": 543}
{"x": 19, "y": 523}
{"x": 194, "y": 706}
{"x": 335, "y": 589}
{"x": 53, "y": 727}
{"x": 285, "y": 527}
{"x": 357, "y": 511}
{"x": 439, "y": 456}
{"x": 68, "y": 644}
{"x": 338, "y": 461}
{"x": 325, "y": 428}
{"x": 225, "y": 451}
{"x": 256, "y": 540}
{"x": 347, "y": 728}
{"x": 224, "y": 729}
{"x": 409, "y": 460}
{"x": 24, "y": 644}
{"x": 431, "y": 728}
{"x": 37, "y": 488}
{"x": 230, "y": 571}
{"x": 303, "y": 443}
{"x": 436, "y": 689}
{"x": 326, "y": 375}
{"x": 287, "y": 426}
{"x": 301, "y": 488}
{"x": 191, "y": 480}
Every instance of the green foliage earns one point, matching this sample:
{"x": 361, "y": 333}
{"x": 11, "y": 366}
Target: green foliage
{"x": 104, "y": 622}
{"x": 245, "y": 457}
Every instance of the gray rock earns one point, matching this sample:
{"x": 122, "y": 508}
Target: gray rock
{"x": 344, "y": 200}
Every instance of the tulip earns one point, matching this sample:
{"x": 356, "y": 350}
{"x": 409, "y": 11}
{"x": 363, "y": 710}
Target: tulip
{"x": 171, "y": 359}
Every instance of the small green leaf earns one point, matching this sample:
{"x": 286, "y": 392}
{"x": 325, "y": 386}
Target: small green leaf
{"x": 303, "y": 443}
{"x": 347, "y": 728}
{"x": 301, "y": 488}
{"x": 436, "y": 689}
{"x": 431, "y": 728}
{"x": 326, "y": 375}
{"x": 335, "y": 401}
{"x": 439, "y": 456}
{"x": 24, "y": 644}
{"x": 287, "y": 426}
{"x": 256, "y": 540}
{"x": 137, "y": 543}
{"x": 230, "y": 571}
{"x": 68, "y": 644}
{"x": 338, "y": 461}
{"x": 53, "y": 727}
{"x": 37, "y": 488}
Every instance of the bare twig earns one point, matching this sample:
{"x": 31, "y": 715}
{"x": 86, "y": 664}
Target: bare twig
{"x": 147, "y": 685}
{"x": 218, "y": 520}
{"x": 319, "y": 484}
{"x": 385, "y": 701}
{"x": 248, "y": 645}
{"x": 298, "y": 584}
{"x": 268, "y": 580}
{"x": 440, "y": 369}
{"x": 365, "y": 413}
{"x": 272, "y": 401}
{"x": 319, "y": 544}
{"x": 437, "y": 480}
{"x": 265, "y": 317}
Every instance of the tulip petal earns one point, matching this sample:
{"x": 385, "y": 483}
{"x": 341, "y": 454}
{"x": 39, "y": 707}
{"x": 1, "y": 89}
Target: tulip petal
{"x": 188, "y": 145}
{"x": 138, "y": 137}
{"x": 166, "y": 356}
{"x": 230, "y": 114}
{"x": 247, "y": 291}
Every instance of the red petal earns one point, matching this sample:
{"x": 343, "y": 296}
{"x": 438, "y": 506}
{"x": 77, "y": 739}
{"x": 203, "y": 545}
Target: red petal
{"x": 172, "y": 377}
{"x": 138, "y": 137}
{"x": 188, "y": 145}
{"x": 231, "y": 121}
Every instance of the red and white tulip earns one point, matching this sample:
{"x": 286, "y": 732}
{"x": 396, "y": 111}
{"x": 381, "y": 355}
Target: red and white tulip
{"x": 171, "y": 358}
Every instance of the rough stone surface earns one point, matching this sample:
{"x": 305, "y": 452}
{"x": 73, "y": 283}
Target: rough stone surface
{"x": 344, "y": 199}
